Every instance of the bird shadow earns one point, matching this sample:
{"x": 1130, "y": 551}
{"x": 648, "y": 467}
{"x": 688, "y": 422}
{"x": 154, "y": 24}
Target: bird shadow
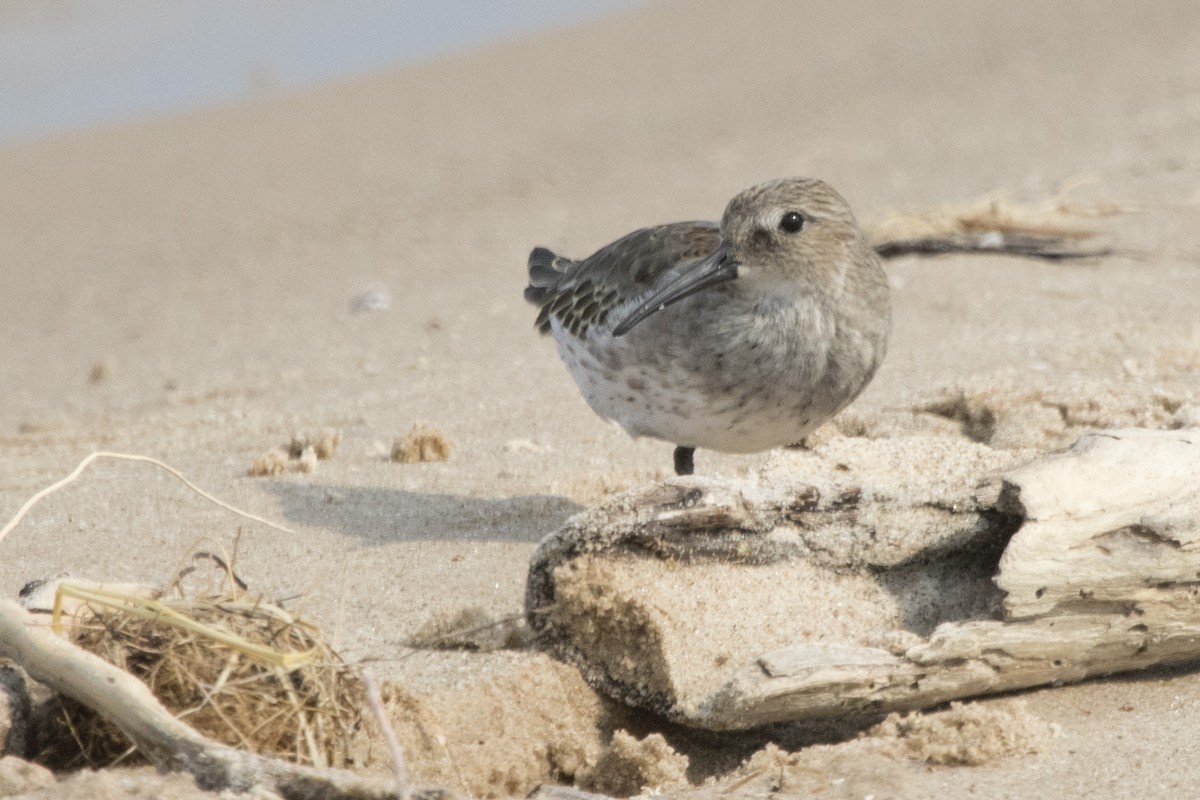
{"x": 380, "y": 516}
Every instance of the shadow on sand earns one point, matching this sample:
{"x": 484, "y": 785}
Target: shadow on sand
{"x": 385, "y": 516}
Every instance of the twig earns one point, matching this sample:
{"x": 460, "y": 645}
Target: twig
{"x": 1047, "y": 248}
{"x": 375, "y": 701}
{"x": 31, "y": 502}
{"x": 740, "y": 782}
{"x": 222, "y": 564}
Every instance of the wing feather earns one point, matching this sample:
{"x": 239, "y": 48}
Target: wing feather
{"x": 580, "y": 294}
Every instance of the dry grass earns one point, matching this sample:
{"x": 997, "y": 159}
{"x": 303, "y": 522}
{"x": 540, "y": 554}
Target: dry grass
{"x": 238, "y": 669}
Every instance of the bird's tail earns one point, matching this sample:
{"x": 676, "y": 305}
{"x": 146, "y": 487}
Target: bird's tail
{"x": 546, "y": 273}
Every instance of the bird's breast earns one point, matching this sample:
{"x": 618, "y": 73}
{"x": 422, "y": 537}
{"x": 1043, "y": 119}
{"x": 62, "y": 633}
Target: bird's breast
{"x": 738, "y": 376}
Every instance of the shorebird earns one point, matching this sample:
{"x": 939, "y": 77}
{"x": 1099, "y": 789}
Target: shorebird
{"x": 737, "y": 337}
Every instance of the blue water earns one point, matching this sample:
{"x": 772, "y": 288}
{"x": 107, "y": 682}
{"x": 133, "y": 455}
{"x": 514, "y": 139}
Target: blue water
{"x": 70, "y": 64}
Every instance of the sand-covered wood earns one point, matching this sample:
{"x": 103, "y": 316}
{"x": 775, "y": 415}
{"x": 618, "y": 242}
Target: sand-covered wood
{"x": 730, "y": 605}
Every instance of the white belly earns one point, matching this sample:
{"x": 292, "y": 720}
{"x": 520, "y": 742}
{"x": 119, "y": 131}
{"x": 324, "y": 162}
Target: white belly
{"x": 673, "y": 399}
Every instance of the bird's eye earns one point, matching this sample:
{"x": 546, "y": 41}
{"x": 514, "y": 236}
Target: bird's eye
{"x": 791, "y": 222}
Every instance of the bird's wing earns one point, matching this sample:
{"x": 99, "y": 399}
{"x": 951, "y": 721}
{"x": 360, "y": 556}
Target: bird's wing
{"x": 580, "y": 294}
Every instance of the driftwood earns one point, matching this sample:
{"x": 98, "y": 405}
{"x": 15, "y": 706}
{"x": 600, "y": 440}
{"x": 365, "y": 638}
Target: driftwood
{"x": 1049, "y": 232}
{"x": 730, "y": 605}
{"x": 1045, "y": 248}
{"x": 168, "y": 743}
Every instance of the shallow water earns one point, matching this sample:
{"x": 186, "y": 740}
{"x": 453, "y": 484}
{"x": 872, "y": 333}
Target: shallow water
{"x": 69, "y": 64}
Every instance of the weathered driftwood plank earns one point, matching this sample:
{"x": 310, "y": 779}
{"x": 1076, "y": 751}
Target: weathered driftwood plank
{"x": 723, "y": 606}
{"x": 1111, "y": 525}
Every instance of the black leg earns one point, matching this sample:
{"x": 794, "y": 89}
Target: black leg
{"x": 683, "y": 460}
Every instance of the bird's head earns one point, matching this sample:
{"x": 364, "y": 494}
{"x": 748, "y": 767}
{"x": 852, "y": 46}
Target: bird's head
{"x": 791, "y": 231}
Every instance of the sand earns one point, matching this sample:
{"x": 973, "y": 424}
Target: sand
{"x": 192, "y": 288}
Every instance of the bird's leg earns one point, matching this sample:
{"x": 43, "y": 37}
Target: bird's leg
{"x": 683, "y": 460}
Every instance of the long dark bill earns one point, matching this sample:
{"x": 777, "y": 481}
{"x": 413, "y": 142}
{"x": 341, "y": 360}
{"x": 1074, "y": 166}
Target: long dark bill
{"x": 708, "y": 271}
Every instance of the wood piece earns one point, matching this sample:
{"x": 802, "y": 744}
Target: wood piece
{"x": 168, "y": 743}
{"x": 1113, "y": 524}
{"x": 959, "y": 660}
{"x": 1102, "y": 576}
{"x": 1045, "y": 248}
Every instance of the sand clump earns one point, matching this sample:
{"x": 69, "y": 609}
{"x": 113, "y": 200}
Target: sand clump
{"x": 498, "y": 725}
{"x": 631, "y": 766}
{"x": 966, "y": 734}
{"x": 323, "y": 445}
{"x": 885, "y": 760}
{"x": 302, "y": 454}
{"x": 420, "y": 445}
{"x": 270, "y": 465}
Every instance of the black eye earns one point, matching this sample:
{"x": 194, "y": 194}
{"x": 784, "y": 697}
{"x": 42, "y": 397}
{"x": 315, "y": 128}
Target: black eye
{"x": 792, "y": 222}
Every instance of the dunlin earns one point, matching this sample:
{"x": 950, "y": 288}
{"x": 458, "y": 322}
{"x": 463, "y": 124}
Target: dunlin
{"x": 737, "y": 337}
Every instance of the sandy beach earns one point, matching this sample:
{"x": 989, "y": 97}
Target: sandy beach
{"x": 192, "y": 288}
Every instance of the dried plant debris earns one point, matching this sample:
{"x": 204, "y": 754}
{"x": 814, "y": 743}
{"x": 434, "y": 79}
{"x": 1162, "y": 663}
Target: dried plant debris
{"x": 236, "y": 668}
{"x": 1049, "y": 231}
{"x": 420, "y": 445}
{"x": 473, "y": 628}
{"x": 301, "y": 454}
